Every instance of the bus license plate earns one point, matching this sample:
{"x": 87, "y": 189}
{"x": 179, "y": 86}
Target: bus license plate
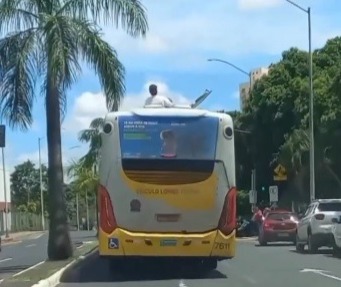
{"x": 168, "y": 242}
{"x": 283, "y": 234}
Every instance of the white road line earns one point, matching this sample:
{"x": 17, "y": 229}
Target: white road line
{"x": 80, "y": 246}
{"x": 31, "y": 245}
{"x": 1, "y": 280}
{"x": 182, "y": 283}
{"x": 321, "y": 272}
{"x": 38, "y": 236}
{"x": 250, "y": 280}
{"x": 6, "y": 259}
{"x": 29, "y": 268}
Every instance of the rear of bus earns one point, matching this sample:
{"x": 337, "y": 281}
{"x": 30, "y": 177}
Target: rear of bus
{"x": 167, "y": 185}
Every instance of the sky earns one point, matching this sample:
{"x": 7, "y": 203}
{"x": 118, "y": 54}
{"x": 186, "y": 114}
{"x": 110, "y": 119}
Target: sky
{"x": 182, "y": 36}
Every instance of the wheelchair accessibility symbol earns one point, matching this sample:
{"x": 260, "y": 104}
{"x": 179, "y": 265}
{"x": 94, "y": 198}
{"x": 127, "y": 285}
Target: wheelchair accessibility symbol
{"x": 113, "y": 243}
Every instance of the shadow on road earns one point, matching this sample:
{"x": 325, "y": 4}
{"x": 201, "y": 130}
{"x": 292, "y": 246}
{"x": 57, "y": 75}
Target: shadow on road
{"x": 94, "y": 269}
{"x": 274, "y": 245}
{"x": 327, "y": 252}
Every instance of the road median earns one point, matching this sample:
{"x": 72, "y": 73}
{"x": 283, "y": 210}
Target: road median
{"x": 48, "y": 273}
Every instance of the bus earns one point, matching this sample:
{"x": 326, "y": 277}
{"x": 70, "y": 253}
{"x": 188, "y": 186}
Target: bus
{"x": 167, "y": 185}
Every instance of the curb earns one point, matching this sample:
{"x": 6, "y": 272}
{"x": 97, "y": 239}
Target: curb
{"x": 54, "y": 279}
{"x": 6, "y": 240}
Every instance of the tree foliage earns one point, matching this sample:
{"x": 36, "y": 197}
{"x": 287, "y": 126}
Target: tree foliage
{"x": 25, "y": 187}
{"x": 46, "y": 42}
{"x": 278, "y": 117}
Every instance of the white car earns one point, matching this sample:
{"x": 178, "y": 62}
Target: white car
{"x": 315, "y": 227}
{"x": 336, "y": 230}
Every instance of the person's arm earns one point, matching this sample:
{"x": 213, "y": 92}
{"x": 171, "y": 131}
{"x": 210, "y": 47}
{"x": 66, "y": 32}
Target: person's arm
{"x": 168, "y": 103}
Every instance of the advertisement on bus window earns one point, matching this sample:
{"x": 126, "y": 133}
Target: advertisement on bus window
{"x": 168, "y": 137}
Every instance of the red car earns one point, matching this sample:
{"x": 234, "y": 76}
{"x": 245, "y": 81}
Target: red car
{"x": 278, "y": 226}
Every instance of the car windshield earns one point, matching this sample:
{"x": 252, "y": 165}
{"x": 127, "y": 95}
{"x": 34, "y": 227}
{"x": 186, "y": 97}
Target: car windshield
{"x": 281, "y": 216}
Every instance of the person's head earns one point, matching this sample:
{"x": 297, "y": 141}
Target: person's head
{"x": 153, "y": 90}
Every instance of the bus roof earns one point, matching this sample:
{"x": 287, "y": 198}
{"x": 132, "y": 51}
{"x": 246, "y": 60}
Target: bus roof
{"x": 164, "y": 112}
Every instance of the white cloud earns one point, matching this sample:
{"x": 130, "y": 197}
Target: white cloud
{"x": 92, "y": 105}
{"x": 258, "y": 4}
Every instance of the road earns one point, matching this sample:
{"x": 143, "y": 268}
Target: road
{"x": 18, "y": 256}
{"x": 277, "y": 265}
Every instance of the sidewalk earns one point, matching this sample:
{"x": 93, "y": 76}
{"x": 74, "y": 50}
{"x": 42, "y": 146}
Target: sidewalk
{"x": 17, "y": 236}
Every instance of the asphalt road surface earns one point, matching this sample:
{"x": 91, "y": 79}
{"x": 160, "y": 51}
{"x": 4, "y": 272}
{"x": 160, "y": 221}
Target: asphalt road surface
{"x": 274, "y": 265}
{"x": 32, "y": 250}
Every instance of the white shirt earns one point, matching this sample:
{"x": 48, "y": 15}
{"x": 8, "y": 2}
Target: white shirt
{"x": 159, "y": 100}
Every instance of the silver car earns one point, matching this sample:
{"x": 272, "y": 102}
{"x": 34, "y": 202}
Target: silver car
{"x": 315, "y": 228}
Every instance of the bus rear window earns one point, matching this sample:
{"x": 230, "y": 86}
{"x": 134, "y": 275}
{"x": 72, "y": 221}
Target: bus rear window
{"x": 168, "y": 137}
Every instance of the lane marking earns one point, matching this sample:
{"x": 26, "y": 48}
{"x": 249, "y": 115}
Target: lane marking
{"x": 247, "y": 239}
{"x": 321, "y": 272}
{"x": 11, "y": 243}
{"x": 29, "y": 268}
{"x": 1, "y": 280}
{"x": 31, "y": 245}
{"x": 250, "y": 280}
{"x": 182, "y": 283}
{"x": 38, "y": 236}
{"x": 6, "y": 259}
{"x": 80, "y": 246}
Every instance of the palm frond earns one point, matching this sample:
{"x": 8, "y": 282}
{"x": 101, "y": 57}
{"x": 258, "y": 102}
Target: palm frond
{"x": 103, "y": 59}
{"x": 130, "y": 14}
{"x": 97, "y": 123}
{"x": 17, "y": 15}
{"x": 17, "y": 78}
{"x": 62, "y": 53}
{"x": 85, "y": 136}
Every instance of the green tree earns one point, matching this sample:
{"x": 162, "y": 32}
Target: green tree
{"x": 92, "y": 137}
{"x": 85, "y": 181}
{"x": 278, "y": 117}
{"x": 25, "y": 185}
{"x": 51, "y": 39}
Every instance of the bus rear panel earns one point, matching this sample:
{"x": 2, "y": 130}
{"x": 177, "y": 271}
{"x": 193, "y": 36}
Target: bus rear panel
{"x": 167, "y": 185}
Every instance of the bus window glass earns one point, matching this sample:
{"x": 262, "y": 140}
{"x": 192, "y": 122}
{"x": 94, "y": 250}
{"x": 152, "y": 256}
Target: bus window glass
{"x": 168, "y": 137}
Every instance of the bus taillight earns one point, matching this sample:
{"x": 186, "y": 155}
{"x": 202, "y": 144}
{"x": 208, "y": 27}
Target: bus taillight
{"x": 107, "y": 218}
{"x": 228, "y": 218}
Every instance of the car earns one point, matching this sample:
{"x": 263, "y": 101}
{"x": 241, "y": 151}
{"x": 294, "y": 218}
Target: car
{"x": 315, "y": 227}
{"x": 278, "y": 226}
{"x": 336, "y": 231}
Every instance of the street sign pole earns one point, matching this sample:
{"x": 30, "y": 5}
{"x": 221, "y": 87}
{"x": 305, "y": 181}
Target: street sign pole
{"x": 2, "y": 145}
{"x": 273, "y": 194}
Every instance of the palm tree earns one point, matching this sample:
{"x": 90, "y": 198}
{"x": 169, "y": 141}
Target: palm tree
{"x": 93, "y": 138}
{"x": 47, "y": 40}
{"x": 85, "y": 180}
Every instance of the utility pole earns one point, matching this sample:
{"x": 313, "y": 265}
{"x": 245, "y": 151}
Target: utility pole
{"x": 41, "y": 187}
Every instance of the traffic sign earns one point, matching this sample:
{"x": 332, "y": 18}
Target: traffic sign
{"x": 252, "y": 196}
{"x": 2, "y": 136}
{"x": 280, "y": 173}
{"x": 273, "y": 193}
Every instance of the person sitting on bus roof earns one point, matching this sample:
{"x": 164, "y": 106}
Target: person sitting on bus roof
{"x": 156, "y": 99}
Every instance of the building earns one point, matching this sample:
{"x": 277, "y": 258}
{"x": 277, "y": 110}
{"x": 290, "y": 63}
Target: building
{"x": 244, "y": 88}
{"x": 3, "y": 203}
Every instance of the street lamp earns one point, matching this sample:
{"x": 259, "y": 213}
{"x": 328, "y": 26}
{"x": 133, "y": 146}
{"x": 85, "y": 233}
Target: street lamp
{"x": 253, "y": 172}
{"x": 311, "y": 104}
{"x": 235, "y": 67}
{"x": 41, "y": 186}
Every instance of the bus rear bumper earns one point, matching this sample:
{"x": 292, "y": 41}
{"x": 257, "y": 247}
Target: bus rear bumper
{"x": 122, "y": 243}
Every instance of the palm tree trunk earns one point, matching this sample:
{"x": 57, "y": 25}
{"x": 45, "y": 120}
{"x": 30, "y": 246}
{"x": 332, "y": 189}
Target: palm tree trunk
{"x": 59, "y": 243}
